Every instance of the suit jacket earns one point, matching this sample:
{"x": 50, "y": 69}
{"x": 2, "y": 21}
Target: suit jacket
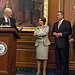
{"x": 44, "y": 35}
{"x": 65, "y": 29}
{"x": 12, "y": 21}
{"x": 73, "y": 36}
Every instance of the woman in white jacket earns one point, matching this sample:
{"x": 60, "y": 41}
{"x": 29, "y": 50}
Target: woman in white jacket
{"x": 42, "y": 44}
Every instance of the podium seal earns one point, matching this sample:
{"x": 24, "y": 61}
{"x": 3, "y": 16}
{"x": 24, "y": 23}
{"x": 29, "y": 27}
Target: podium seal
{"x": 3, "y": 48}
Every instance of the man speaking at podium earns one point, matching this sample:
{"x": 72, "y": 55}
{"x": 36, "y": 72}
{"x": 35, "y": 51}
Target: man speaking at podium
{"x": 8, "y": 20}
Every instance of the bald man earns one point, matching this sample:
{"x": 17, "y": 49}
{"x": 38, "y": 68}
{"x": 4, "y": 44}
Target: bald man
{"x": 7, "y": 19}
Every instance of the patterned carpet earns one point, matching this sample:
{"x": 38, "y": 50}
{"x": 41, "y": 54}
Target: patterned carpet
{"x": 32, "y": 71}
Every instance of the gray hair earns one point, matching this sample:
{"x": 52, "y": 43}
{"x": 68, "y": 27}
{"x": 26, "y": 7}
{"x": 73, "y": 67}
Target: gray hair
{"x": 7, "y": 10}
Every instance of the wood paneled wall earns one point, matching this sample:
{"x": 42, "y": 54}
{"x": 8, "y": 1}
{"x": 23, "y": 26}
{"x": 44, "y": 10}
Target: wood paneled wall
{"x": 26, "y": 51}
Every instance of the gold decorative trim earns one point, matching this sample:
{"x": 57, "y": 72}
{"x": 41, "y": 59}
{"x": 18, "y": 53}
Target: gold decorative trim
{"x": 27, "y": 28}
{"x": 46, "y": 10}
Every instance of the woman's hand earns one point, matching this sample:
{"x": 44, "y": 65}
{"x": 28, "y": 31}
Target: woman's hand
{"x": 35, "y": 34}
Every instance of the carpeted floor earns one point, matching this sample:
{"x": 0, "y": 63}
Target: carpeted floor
{"x": 32, "y": 71}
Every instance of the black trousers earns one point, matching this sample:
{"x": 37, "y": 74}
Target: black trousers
{"x": 62, "y": 58}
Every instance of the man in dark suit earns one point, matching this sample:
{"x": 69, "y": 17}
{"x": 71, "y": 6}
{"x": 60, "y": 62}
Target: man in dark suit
{"x": 61, "y": 31}
{"x": 72, "y": 40}
{"x": 8, "y": 20}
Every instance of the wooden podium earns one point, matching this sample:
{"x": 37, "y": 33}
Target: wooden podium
{"x": 8, "y": 37}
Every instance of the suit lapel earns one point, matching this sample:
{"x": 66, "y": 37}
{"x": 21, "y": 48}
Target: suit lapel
{"x": 57, "y": 26}
{"x": 10, "y": 21}
{"x": 38, "y": 29}
{"x": 44, "y": 28}
{"x": 3, "y": 19}
{"x": 61, "y": 25}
